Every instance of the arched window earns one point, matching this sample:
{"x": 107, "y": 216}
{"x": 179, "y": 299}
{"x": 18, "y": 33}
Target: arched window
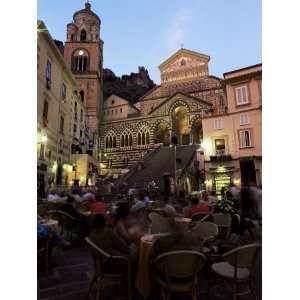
{"x": 147, "y": 138}
{"x": 83, "y": 35}
{"x": 111, "y": 141}
{"x": 72, "y": 37}
{"x": 81, "y": 95}
{"x": 80, "y": 61}
{"x": 126, "y": 138}
{"x": 143, "y": 136}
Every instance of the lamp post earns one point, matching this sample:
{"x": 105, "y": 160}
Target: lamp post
{"x": 75, "y": 170}
{"x": 174, "y": 143}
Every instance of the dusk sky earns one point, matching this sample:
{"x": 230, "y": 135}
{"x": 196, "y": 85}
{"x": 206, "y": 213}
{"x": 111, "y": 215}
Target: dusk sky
{"x": 145, "y": 33}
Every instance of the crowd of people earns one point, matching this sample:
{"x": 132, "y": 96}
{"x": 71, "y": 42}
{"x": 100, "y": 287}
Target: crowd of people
{"x": 117, "y": 227}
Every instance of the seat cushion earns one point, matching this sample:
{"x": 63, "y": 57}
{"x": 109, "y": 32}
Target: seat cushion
{"x": 226, "y": 270}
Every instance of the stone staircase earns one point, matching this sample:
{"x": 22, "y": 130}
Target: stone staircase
{"x": 156, "y": 164}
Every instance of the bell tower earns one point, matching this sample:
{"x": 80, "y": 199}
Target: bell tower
{"x": 84, "y": 54}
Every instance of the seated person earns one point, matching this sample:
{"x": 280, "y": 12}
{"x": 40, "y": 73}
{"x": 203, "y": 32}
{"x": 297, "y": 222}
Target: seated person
{"x": 168, "y": 208}
{"x": 80, "y": 219}
{"x": 98, "y": 207}
{"x": 242, "y": 232}
{"x": 195, "y": 207}
{"x": 178, "y": 239}
{"x": 53, "y": 196}
{"x": 69, "y": 208}
{"x": 121, "y": 225}
{"x": 106, "y": 238}
{"x": 139, "y": 203}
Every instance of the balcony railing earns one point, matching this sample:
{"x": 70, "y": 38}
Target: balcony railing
{"x": 220, "y": 157}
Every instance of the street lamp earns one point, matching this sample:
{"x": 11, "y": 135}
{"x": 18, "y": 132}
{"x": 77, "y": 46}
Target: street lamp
{"x": 174, "y": 143}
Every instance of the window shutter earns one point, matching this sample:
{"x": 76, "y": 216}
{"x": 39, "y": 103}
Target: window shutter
{"x": 244, "y": 119}
{"x": 242, "y": 139}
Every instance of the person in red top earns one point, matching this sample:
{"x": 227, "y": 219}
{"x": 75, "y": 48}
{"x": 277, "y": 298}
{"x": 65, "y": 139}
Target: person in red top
{"x": 196, "y": 207}
{"x": 97, "y": 206}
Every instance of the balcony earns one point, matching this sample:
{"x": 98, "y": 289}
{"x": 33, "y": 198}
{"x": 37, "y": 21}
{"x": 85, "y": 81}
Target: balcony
{"x": 220, "y": 156}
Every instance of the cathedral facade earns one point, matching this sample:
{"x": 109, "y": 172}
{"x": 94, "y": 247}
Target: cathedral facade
{"x": 171, "y": 112}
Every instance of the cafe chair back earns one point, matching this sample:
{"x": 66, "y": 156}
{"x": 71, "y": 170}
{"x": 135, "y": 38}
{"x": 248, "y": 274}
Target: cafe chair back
{"x": 176, "y": 272}
{"x": 238, "y": 266}
{"x": 207, "y": 231}
{"x": 159, "y": 224}
{"x": 200, "y": 216}
{"x": 222, "y": 220}
{"x": 103, "y": 270}
{"x": 67, "y": 223}
{"x": 42, "y": 209}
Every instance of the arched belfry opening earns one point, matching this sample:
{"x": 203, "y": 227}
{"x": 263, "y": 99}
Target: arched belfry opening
{"x": 83, "y": 35}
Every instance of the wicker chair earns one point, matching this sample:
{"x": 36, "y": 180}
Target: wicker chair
{"x": 176, "y": 272}
{"x": 237, "y": 266}
{"x": 159, "y": 224}
{"x": 100, "y": 274}
{"x": 207, "y": 232}
{"x": 224, "y": 222}
{"x": 68, "y": 224}
{"x": 42, "y": 209}
{"x": 200, "y": 216}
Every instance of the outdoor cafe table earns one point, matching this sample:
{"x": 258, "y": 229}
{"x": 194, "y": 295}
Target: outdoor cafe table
{"x": 143, "y": 283}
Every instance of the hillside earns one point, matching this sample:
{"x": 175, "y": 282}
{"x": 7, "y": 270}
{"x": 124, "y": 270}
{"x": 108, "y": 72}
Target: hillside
{"x": 131, "y": 87}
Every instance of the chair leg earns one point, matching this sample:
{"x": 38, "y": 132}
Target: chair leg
{"x": 252, "y": 289}
{"x": 168, "y": 295}
{"x": 129, "y": 289}
{"x": 234, "y": 292}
